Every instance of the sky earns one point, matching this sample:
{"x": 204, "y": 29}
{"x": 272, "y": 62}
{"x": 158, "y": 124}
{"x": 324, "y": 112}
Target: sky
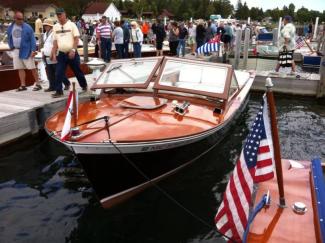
{"x": 318, "y": 5}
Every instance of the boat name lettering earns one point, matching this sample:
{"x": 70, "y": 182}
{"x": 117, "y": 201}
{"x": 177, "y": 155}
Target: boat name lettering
{"x": 161, "y": 147}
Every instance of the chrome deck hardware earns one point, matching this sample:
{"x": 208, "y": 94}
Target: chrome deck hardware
{"x": 181, "y": 109}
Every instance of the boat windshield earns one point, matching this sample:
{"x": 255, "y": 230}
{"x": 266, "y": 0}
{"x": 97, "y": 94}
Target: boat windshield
{"x": 195, "y": 77}
{"x": 128, "y": 73}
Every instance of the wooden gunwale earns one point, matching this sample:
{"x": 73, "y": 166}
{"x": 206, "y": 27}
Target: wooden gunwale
{"x": 315, "y": 209}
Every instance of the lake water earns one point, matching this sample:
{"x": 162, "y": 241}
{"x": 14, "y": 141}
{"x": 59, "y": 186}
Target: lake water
{"x": 46, "y": 197}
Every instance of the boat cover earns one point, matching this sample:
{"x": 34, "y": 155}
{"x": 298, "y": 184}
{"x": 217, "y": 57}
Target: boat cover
{"x": 265, "y": 37}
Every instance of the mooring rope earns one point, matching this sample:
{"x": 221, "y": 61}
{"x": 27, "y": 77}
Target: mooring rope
{"x": 165, "y": 193}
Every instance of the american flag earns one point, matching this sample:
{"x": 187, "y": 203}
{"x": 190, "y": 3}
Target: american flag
{"x": 299, "y": 42}
{"x": 254, "y": 165}
{"x": 211, "y": 46}
{"x": 65, "y": 133}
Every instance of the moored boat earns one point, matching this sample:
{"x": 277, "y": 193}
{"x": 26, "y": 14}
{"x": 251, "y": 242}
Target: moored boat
{"x": 302, "y": 218}
{"x": 257, "y": 207}
{"x": 153, "y": 117}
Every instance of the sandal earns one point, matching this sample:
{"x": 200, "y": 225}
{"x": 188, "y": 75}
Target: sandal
{"x": 37, "y": 87}
{"x": 21, "y": 88}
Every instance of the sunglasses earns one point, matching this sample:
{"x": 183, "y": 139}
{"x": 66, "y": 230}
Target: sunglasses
{"x": 62, "y": 30}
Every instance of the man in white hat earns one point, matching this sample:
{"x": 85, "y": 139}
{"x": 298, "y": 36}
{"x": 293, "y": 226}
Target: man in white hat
{"x": 47, "y": 49}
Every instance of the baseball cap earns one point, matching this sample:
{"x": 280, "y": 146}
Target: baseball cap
{"x": 59, "y": 11}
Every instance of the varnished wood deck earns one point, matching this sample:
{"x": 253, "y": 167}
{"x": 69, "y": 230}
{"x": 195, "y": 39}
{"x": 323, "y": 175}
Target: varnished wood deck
{"x": 130, "y": 125}
{"x": 284, "y": 225}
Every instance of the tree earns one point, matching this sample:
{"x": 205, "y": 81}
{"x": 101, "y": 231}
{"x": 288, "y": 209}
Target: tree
{"x": 275, "y": 14}
{"x": 254, "y": 13}
{"x": 138, "y": 6}
{"x": 292, "y": 10}
{"x": 238, "y": 9}
{"x": 285, "y": 10}
{"x": 223, "y": 7}
{"x": 303, "y": 15}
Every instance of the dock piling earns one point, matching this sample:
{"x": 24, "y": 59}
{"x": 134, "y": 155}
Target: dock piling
{"x": 321, "y": 84}
{"x": 275, "y": 36}
{"x": 246, "y": 46}
{"x": 85, "y": 47}
{"x": 239, "y": 34}
{"x": 279, "y": 29}
{"x": 316, "y": 28}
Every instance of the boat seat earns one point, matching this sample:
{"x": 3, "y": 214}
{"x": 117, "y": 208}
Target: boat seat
{"x": 143, "y": 102}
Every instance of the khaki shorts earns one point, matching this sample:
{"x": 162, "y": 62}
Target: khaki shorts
{"x": 22, "y": 63}
{"x": 191, "y": 41}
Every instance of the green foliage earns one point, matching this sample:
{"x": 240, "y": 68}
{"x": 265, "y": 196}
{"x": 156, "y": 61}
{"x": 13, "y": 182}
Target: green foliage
{"x": 182, "y": 9}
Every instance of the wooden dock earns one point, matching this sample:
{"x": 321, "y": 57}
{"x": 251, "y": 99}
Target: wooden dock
{"x": 24, "y": 113}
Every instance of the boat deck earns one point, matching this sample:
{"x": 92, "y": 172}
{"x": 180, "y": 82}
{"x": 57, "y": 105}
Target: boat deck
{"x": 146, "y": 124}
{"x": 284, "y": 225}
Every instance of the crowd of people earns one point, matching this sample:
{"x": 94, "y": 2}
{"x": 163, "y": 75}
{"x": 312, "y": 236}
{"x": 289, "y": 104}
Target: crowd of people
{"x": 60, "y": 50}
{"x": 60, "y": 42}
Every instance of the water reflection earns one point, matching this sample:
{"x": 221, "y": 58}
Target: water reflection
{"x": 45, "y": 196}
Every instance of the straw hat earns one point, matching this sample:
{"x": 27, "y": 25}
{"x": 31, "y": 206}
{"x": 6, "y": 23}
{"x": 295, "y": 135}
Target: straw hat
{"x": 48, "y": 22}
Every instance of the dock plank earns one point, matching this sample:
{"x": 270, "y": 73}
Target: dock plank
{"x": 25, "y": 112}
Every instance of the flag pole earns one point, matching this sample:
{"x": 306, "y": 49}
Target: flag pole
{"x": 275, "y": 138}
{"x": 75, "y": 119}
{"x": 75, "y": 131}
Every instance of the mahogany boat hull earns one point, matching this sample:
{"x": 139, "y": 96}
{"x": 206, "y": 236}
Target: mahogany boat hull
{"x": 157, "y": 116}
{"x": 10, "y": 78}
{"x": 116, "y": 179}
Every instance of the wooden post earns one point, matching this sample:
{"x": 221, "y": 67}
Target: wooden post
{"x": 315, "y": 29}
{"x": 275, "y": 36}
{"x": 279, "y": 29}
{"x": 238, "y": 47}
{"x": 85, "y": 47}
{"x": 276, "y": 143}
{"x": 246, "y": 46}
{"x": 321, "y": 85}
{"x": 75, "y": 112}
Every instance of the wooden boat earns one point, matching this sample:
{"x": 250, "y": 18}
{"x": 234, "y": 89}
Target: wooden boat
{"x": 302, "y": 218}
{"x": 292, "y": 206}
{"x": 10, "y": 78}
{"x": 155, "y": 116}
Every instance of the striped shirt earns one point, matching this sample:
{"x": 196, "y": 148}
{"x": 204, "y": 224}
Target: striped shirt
{"x": 104, "y": 30}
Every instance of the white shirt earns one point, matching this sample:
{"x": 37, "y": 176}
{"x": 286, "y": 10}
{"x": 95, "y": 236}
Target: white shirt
{"x": 48, "y": 43}
{"x": 192, "y": 31}
{"x": 136, "y": 35}
{"x": 64, "y": 35}
{"x": 16, "y": 35}
{"x": 118, "y": 35}
{"x": 289, "y": 32}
